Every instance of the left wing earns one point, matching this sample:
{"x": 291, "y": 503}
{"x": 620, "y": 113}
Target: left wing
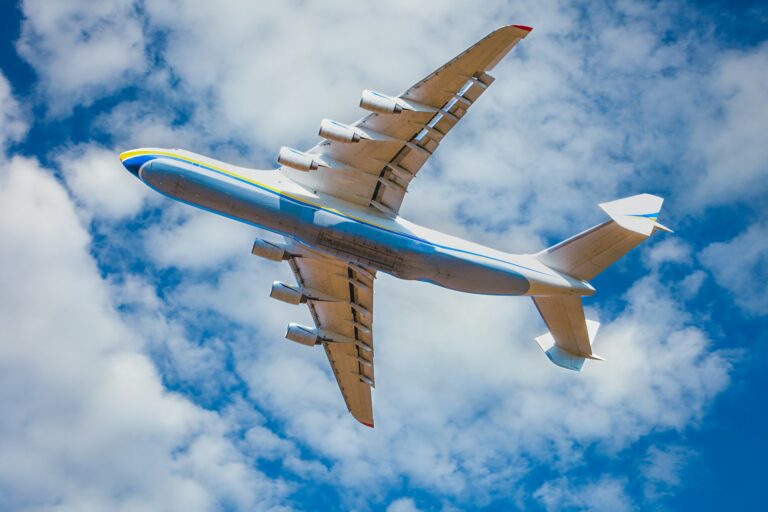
{"x": 384, "y": 151}
{"x": 340, "y": 299}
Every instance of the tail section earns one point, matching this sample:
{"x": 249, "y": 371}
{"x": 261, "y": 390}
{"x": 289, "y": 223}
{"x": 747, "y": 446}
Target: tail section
{"x": 569, "y": 340}
{"x": 587, "y": 254}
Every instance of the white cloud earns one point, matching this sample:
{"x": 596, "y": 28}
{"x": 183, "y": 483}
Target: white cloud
{"x": 145, "y": 124}
{"x": 739, "y": 265}
{"x": 663, "y": 470}
{"x": 403, "y": 505}
{"x": 187, "y": 359}
{"x": 606, "y": 494}
{"x": 13, "y": 124}
{"x": 257, "y": 100}
{"x": 86, "y": 423}
{"x": 82, "y": 50}
{"x": 586, "y": 101}
{"x": 563, "y": 133}
{"x": 193, "y": 239}
{"x": 267, "y": 444}
{"x": 101, "y": 184}
{"x": 730, "y": 141}
{"x": 669, "y": 250}
{"x": 692, "y": 283}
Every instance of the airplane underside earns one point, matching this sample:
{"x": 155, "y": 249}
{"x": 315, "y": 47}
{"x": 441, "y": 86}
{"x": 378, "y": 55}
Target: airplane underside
{"x": 351, "y": 241}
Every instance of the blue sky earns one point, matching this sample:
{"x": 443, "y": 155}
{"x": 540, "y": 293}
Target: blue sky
{"x": 142, "y": 363}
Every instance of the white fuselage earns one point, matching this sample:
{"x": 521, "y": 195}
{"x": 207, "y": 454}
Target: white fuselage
{"x": 270, "y": 200}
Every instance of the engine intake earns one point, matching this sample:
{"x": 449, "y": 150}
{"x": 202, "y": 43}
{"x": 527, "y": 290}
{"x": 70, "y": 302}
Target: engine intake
{"x": 269, "y": 250}
{"x": 299, "y": 160}
{"x": 285, "y": 293}
{"x": 301, "y": 334}
{"x": 381, "y": 103}
{"x": 333, "y": 130}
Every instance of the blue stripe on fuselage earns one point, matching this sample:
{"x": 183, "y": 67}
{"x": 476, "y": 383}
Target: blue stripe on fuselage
{"x": 145, "y": 158}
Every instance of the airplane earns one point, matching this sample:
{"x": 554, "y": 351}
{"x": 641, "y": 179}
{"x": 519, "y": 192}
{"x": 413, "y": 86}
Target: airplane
{"x": 336, "y": 207}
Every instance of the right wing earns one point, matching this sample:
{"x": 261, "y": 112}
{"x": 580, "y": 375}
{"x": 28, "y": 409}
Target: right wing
{"x": 376, "y": 172}
{"x": 341, "y": 302}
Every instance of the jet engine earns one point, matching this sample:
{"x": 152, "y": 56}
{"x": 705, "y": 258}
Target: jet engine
{"x": 299, "y": 160}
{"x": 380, "y": 103}
{"x": 333, "y": 130}
{"x": 301, "y": 334}
{"x": 269, "y": 250}
{"x": 286, "y": 293}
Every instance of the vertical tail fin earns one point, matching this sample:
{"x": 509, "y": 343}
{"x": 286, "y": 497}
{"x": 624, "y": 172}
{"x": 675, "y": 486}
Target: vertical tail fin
{"x": 569, "y": 340}
{"x": 585, "y": 255}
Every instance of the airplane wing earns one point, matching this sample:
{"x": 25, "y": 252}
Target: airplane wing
{"x": 341, "y": 302}
{"x": 376, "y": 170}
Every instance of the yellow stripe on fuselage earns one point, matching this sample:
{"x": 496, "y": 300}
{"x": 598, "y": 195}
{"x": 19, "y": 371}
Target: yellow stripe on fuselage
{"x": 139, "y": 152}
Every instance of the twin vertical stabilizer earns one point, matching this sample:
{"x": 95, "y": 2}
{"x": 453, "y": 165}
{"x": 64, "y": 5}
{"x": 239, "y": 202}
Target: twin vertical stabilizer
{"x": 569, "y": 340}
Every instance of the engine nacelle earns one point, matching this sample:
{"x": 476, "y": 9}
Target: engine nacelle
{"x": 299, "y": 160}
{"x": 269, "y": 250}
{"x": 286, "y": 293}
{"x": 333, "y": 130}
{"x": 380, "y": 103}
{"x": 301, "y": 334}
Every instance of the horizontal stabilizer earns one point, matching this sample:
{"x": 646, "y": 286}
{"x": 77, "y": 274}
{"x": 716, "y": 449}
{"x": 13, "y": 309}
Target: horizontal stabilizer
{"x": 569, "y": 340}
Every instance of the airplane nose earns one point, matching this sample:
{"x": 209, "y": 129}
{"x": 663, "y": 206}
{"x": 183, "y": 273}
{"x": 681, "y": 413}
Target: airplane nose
{"x": 133, "y": 161}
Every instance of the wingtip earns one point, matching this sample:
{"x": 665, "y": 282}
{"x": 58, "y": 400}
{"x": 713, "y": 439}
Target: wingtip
{"x": 523, "y": 27}
{"x": 369, "y": 425}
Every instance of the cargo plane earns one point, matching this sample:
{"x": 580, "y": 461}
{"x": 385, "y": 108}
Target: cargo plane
{"x": 336, "y": 207}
